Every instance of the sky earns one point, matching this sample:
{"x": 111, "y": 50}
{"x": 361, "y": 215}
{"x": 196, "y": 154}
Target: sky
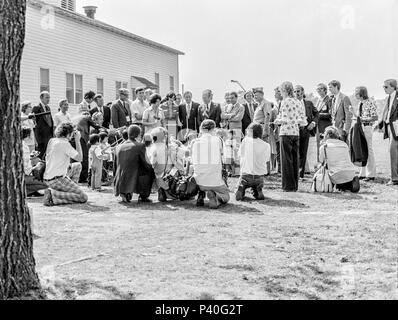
{"x": 262, "y": 43}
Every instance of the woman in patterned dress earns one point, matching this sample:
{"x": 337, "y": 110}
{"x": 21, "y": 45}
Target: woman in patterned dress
{"x": 291, "y": 116}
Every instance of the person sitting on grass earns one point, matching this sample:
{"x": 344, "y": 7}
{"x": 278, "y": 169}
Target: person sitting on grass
{"x": 254, "y": 154}
{"x": 207, "y": 162}
{"x": 33, "y": 185}
{"x": 342, "y": 171}
{"x": 61, "y": 189}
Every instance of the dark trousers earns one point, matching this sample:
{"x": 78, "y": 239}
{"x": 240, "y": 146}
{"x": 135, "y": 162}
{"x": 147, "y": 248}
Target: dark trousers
{"x": 278, "y": 155}
{"x": 256, "y": 183}
{"x": 303, "y": 147}
{"x": 290, "y": 162}
{"x": 42, "y": 148}
{"x": 84, "y": 173}
{"x": 33, "y": 185}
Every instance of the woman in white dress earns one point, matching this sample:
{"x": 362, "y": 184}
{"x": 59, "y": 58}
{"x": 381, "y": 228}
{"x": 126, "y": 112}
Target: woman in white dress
{"x": 26, "y": 110}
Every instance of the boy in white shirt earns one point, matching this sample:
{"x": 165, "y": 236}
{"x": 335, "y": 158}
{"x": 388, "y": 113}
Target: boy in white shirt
{"x": 254, "y": 154}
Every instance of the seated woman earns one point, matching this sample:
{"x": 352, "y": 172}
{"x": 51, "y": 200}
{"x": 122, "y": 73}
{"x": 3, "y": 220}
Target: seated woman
{"x": 342, "y": 171}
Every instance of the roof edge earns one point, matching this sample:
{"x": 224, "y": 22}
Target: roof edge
{"x": 104, "y": 26}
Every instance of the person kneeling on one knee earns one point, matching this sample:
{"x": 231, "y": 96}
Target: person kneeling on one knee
{"x": 254, "y": 155}
{"x": 207, "y": 163}
{"x": 62, "y": 190}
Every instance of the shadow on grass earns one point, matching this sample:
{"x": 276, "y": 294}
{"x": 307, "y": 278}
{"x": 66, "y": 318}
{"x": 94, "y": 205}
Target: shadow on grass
{"x": 86, "y": 207}
{"x": 72, "y": 289}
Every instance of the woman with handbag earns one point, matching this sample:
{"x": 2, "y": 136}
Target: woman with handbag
{"x": 335, "y": 154}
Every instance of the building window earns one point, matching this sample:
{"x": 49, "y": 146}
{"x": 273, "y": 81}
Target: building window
{"x": 171, "y": 83}
{"x": 78, "y": 88}
{"x": 70, "y": 85}
{"x": 44, "y": 80}
{"x": 100, "y": 86}
{"x": 74, "y": 88}
{"x": 157, "y": 82}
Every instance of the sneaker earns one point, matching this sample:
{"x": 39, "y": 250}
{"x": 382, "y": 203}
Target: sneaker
{"x": 240, "y": 194}
{"x": 213, "y": 201}
{"x": 162, "y": 197}
{"x": 48, "y": 199}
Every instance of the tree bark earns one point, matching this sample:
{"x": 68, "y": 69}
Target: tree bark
{"x": 18, "y": 277}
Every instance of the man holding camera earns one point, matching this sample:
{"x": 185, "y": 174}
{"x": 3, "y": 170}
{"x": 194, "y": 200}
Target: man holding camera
{"x": 62, "y": 190}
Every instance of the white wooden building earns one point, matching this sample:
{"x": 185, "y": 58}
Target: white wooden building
{"x": 68, "y": 54}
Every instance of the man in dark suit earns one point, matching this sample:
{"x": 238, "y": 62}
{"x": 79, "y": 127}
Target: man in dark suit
{"x": 250, "y": 108}
{"x": 310, "y": 130}
{"x": 44, "y": 130}
{"x": 83, "y": 123}
{"x": 120, "y": 110}
{"x": 209, "y": 109}
{"x": 389, "y": 125}
{"x": 100, "y": 107}
{"x": 188, "y": 113}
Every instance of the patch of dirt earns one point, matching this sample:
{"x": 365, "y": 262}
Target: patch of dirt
{"x": 290, "y": 246}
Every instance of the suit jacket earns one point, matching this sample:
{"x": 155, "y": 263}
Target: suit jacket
{"x": 44, "y": 129}
{"x": 342, "y": 117}
{"x": 312, "y": 115}
{"x": 119, "y": 116}
{"x": 214, "y": 114}
{"x": 393, "y": 117}
{"x": 237, "y": 112}
{"x": 193, "y": 121}
{"x": 83, "y": 124}
{"x": 133, "y": 174}
{"x": 107, "y": 115}
{"x": 247, "y": 119}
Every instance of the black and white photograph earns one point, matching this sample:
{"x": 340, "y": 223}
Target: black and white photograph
{"x": 210, "y": 152}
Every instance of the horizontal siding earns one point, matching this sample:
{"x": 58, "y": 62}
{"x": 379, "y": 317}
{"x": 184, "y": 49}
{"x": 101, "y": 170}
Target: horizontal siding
{"x": 73, "y": 47}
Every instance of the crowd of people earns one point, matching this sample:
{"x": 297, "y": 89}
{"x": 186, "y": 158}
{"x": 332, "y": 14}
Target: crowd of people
{"x": 141, "y": 145}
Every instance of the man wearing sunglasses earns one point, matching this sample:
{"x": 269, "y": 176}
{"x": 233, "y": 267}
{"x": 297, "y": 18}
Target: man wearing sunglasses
{"x": 389, "y": 125}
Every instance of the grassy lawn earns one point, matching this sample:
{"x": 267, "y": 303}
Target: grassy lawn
{"x": 290, "y": 246}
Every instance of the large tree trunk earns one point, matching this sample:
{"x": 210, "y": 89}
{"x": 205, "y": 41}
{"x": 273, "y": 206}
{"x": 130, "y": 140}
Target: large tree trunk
{"x": 17, "y": 265}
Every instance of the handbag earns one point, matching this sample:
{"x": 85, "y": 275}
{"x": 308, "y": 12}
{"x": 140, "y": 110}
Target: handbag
{"x": 322, "y": 181}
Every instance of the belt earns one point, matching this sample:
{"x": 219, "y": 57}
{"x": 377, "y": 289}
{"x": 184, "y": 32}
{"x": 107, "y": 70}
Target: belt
{"x": 55, "y": 178}
{"x": 368, "y": 124}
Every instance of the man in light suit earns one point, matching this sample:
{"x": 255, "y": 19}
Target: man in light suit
{"x": 233, "y": 113}
{"x": 341, "y": 114}
{"x": 209, "y": 109}
{"x": 389, "y": 125}
{"x": 44, "y": 130}
{"x": 312, "y": 115}
{"x": 121, "y": 113}
{"x": 188, "y": 113}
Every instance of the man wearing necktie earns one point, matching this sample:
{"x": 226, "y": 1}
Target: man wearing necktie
{"x": 389, "y": 125}
{"x": 188, "y": 113}
{"x": 250, "y": 108}
{"x": 209, "y": 109}
{"x": 121, "y": 113}
{"x": 44, "y": 130}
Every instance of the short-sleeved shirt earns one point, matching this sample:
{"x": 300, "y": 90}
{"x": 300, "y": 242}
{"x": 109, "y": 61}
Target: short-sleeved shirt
{"x": 138, "y": 107}
{"x": 59, "y": 153}
{"x": 150, "y": 115}
{"x": 254, "y": 155}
